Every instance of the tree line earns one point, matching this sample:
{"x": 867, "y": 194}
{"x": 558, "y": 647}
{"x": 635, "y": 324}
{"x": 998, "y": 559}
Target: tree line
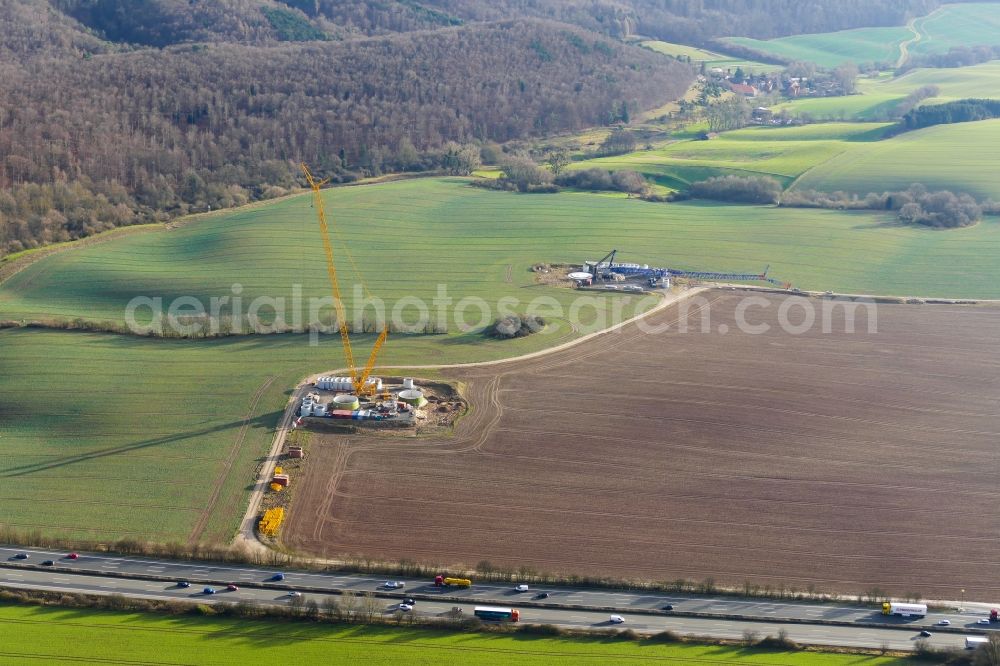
{"x": 161, "y": 23}
{"x": 959, "y": 111}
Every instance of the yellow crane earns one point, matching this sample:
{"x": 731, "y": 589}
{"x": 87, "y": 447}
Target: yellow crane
{"x": 359, "y": 381}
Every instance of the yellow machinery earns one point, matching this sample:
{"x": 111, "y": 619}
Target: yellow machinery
{"x": 359, "y": 381}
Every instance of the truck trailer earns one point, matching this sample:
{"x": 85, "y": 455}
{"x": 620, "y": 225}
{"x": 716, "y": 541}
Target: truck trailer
{"x": 904, "y": 610}
{"x": 444, "y": 581}
{"x": 972, "y": 642}
{"x": 497, "y": 614}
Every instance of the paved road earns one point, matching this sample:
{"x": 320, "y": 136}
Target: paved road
{"x": 897, "y": 632}
{"x": 580, "y": 619}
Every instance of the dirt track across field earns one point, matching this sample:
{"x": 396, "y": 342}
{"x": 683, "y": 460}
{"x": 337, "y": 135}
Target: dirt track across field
{"x": 842, "y": 461}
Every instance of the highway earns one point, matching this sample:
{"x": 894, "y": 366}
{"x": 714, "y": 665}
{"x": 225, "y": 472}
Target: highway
{"x": 589, "y": 608}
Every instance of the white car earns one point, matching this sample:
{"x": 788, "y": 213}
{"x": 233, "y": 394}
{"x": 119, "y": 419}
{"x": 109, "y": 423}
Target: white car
{"x": 293, "y": 593}
{"x": 983, "y": 620}
{"x": 393, "y": 584}
{"x": 405, "y": 607}
{"x": 521, "y": 588}
{"x": 943, "y": 623}
{"x": 616, "y": 619}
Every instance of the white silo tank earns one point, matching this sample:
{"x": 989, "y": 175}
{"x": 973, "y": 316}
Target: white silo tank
{"x": 407, "y": 383}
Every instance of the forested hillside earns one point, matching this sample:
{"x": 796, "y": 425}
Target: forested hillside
{"x": 121, "y": 111}
{"x": 125, "y": 137}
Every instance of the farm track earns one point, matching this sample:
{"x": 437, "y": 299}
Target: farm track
{"x": 802, "y": 482}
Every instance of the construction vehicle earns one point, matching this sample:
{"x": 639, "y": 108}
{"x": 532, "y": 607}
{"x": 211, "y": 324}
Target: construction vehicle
{"x": 444, "y": 581}
{"x": 904, "y": 610}
{"x": 359, "y": 380}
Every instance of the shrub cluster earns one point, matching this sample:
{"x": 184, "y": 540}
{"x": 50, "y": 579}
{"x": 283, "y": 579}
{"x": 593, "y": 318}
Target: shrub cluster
{"x": 515, "y": 326}
{"x": 915, "y": 205}
{"x": 942, "y": 209}
{"x": 520, "y": 174}
{"x": 597, "y": 180}
{"x": 910, "y": 102}
{"x": 750, "y": 189}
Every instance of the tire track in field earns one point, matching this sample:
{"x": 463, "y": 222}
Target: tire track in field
{"x": 234, "y": 452}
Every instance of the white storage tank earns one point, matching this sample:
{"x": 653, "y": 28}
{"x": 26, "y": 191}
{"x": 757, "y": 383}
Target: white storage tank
{"x": 408, "y": 381}
{"x": 319, "y": 409}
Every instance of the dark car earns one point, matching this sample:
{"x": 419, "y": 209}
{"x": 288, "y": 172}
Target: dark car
{"x": 72, "y": 556}
{"x": 668, "y": 607}
{"x": 47, "y": 563}
{"x": 21, "y": 556}
{"x": 278, "y": 576}
{"x": 209, "y": 590}
{"x": 409, "y": 601}
{"x": 925, "y": 633}
{"x": 232, "y": 587}
{"x": 542, "y": 595}
{"x": 183, "y": 583}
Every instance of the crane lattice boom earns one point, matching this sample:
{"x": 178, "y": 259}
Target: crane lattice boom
{"x": 360, "y": 382}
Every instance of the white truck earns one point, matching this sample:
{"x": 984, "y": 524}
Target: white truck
{"x": 972, "y": 642}
{"x": 904, "y": 610}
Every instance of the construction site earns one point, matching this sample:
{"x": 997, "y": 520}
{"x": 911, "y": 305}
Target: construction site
{"x": 610, "y": 275}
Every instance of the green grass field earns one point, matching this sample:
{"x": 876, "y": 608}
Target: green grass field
{"x": 781, "y": 152}
{"x": 834, "y": 48}
{"x": 879, "y": 97}
{"x": 959, "y": 157}
{"x": 710, "y": 58}
{"x": 54, "y": 635}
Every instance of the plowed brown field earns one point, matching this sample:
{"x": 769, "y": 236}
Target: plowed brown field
{"x": 844, "y": 461}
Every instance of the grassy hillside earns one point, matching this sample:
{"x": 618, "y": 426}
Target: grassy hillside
{"x": 710, "y": 58}
{"x": 781, "y": 152}
{"x": 971, "y": 24}
{"x": 54, "y": 634}
{"x": 408, "y": 237}
{"x": 960, "y": 157}
{"x": 878, "y": 97}
{"x": 834, "y": 48}
{"x": 964, "y": 24}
